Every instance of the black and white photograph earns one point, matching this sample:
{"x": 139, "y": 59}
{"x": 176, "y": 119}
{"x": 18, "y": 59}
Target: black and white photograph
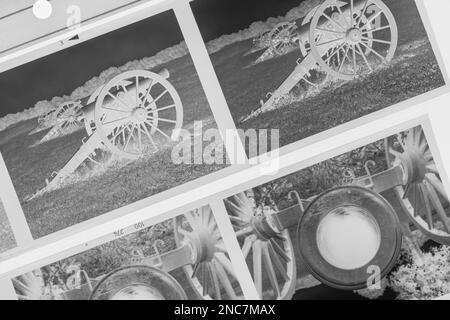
{"x": 180, "y": 258}
{"x": 372, "y": 223}
{"x": 307, "y": 66}
{"x": 93, "y": 127}
{"x": 7, "y": 240}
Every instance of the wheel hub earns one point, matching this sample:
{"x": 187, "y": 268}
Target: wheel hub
{"x": 354, "y": 36}
{"x": 263, "y": 229}
{"x": 413, "y": 165}
{"x": 139, "y": 114}
{"x": 203, "y": 246}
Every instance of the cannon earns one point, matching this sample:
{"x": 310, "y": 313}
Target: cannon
{"x": 134, "y": 113}
{"x": 279, "y": 40}
{"x": 67, "y": 118}
{"x": 45, "y": 121}
{"x": 343, "y": 232}
{"x": 344, "y": 39}
{"x": 199, "y": 251}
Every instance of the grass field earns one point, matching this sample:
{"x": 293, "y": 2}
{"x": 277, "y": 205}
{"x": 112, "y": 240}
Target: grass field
{"x": 414, "y": 71}
{"x": 89, "y": 193}
{"x": 7, "y": 240}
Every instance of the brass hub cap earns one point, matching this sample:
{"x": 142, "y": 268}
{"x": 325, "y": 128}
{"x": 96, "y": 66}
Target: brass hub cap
{"x": 139, "y": 114}
{"x": 354, "y": 36}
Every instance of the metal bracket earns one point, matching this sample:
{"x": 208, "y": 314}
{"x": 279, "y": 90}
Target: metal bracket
{"x": 349, "y": 177}
{"x": 157, "y": 256}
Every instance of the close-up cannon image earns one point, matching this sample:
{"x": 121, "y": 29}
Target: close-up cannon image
{"x": 373, "y": 223}
{"x": 178, "y": 259}
{"x": 308, "y": 66}
{"x": 96, "y": 128}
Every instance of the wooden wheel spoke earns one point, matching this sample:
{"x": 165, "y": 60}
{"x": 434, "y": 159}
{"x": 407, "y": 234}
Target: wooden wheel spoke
{"x": 437, "y": 184}
{"x": 426, "y": 201}
{"x": 270, "y": 270}
{"x": 438, "y": 206}
{"x": 147, "y": 94}
{"x": 163, "y": 108}
{"x": 225, "y": 262}
{"x": 376, "y": 29}
{"x": 129, "y": 137}
{"x": 239, "y": 220}
{"x": 139, "y": 133}
{"x": 352, "y": 10}
{"x": 344, "y": 58}
{"x": 192, "y": 220}
{"x": 120, "y": 131}
{"x": 363, "y": 11}
{"x": 330, "y": 31}
{"x": 248, "y": 243}
{"x": 157, "y": 129}
{"x": 236, "y": 209}
{"x": 119, "y": 100}
{"x": 337, "y": 24}
{"x": 431, "y": 167}
{"x": 377, "y": 40}
{"x": 329, "y": 42}
{"x": 277, "y": 262}
{"x": 244, "y": 232}
{"x": 372, "y": 18}
{"x": 115, "y": 121}
{"x": 161, "y": 119}
{"x": 215, "y": 281}
{"x": 257, "y": 266}
{"x": 365, "y": 58}
{"x": 223, "y": 278}
{"x": 374, "y": 52}
{"x": 279, "y": 251}
{"x": 221, "y": 247}
{"x": 334, "y": 52}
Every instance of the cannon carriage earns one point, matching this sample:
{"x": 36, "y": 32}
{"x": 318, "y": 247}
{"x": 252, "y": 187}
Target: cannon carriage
{"x": 135, "y": 113}
{"x": 200, "y": 253}
{"x": 344, "y": 39}
{"x": 344, "y": 234}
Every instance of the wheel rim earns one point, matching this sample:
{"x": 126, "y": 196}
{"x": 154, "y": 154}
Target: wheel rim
{"x": 211, "y": 274}
{"x": 346, "y": 270}
{"x": 269, "y": 252}
{"x": 281, "y": 37}
{"x": 350, "y": 37}
{"x": 138, "y": 283}
{"x": 69, "y": 115}
{"x": 132, "y": 121}
{"x": 422, "y": 194}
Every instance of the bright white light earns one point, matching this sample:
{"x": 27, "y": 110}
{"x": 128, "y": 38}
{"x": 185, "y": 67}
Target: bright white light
{"x": 42, "y": 9}
{"x": 348, "y": 238}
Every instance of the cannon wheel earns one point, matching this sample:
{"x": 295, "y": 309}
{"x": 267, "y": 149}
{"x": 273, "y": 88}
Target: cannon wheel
{"x": 352, "y": 38}
{"x": 211, "y": 275}
{"x": 422, "y": 195}
{"x": 281, "y": 36}
{"x": 129, "y": 121}
{"x": 272, "y": 256}
{"x": 68, "y": 115}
